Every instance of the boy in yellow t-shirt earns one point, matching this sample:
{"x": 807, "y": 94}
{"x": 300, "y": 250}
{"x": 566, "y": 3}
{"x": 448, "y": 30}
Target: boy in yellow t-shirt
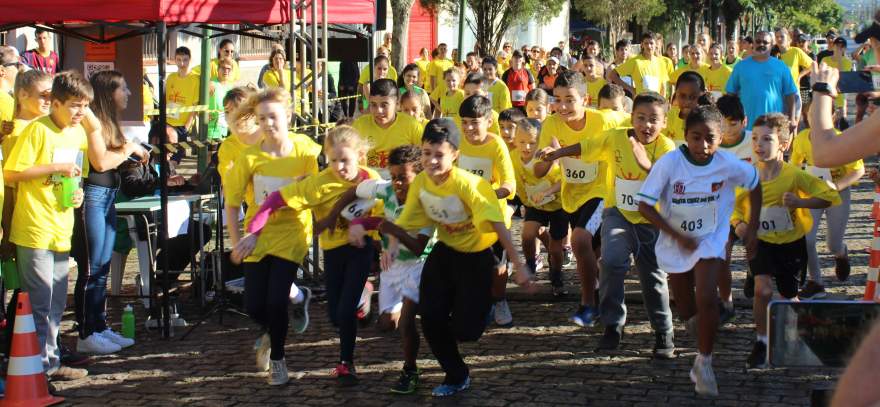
{"x": 507, "y": 122}
{"x": 181, "y": 90}
{"x": 485, "y": 155}
{"x": 647, "y": 70}
{"x": 498, "y": 91}
{"x": 476, "y": 84}
{"x": 625, "y": 232}
{"x": 782, "y": 249}
{"x": 584, "y": 184}
{"x": 49, "y": 153}
{"x": 382, "y": 69}
{"x": 457, "y": 277}
{"x": 385, "y": 128}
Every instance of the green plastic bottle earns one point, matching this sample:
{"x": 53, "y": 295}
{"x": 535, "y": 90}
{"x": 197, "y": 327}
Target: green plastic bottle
{"x": 128, "y": 322}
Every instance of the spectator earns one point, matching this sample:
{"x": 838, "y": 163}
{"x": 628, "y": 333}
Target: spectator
{"x": 548, "y": 74}
{"x": 348, "y": 85}
{"x": 226, "y": 51}
{"x": 422, "y": 62}
{"x": 830, "y": 36}
{"x": 268, "y": 66}
{"x": 8, "y": 71}
{"x": 42, "y": 58}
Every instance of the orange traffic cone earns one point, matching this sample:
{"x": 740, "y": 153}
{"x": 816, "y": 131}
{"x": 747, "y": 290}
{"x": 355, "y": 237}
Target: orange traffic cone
{"x": 25, "y": 380}
{"x": 873, "y": 266}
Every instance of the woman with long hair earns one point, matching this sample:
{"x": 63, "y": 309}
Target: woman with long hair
{"x": 95, "y": 228}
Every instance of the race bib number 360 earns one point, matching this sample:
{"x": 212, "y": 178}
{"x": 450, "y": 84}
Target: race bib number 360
{"x": 579, "y": 172}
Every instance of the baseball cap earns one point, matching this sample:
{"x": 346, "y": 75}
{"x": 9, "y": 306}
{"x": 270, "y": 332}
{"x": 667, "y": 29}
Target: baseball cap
{"x": 442, "y": 129}
{"x": 554, "y": 59}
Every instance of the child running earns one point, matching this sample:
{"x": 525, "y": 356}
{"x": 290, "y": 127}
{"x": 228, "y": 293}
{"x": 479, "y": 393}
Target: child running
{"x": 384, "y": 129}
{"x": 543, "y": 206}
{"x": 787, "y": 193}
{"x": 537, "y": 106}
{"x": 346, "y": 266}
{"x": 695, "y": 189}
{"x": 270, "y": 263}
{"x": 498, "y": 92}
{"x": 689, "y": 89}
{"x": 625, "y": 232}
{"x": 451, "y": 99}
{"x": 454, "y": 292}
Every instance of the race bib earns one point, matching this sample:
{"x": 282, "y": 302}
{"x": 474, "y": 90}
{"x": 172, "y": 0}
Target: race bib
{"x": 518, "y": 95}
{"x": 627, "y": 80}
{"x": 822, "y": 173}
{"x": 579, "y": 172}
{"x": 693, "y": 220}
{"x": 479, "y": 166}
{"x": 66, "y": 156}
{"x": 775, "y": 219}
{"x": 447, "y": 210}
{"x": 172, "y": 111}
{"x": 875, "y": 79}
{"x": 531, "y": 190}
{"x": 626, "y": 191}
{"x": 265, "y": 185}
{"x": 650, "y": 82}
{"x": 358, "y": 208}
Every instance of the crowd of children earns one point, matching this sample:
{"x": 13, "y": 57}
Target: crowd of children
{"x": 643, "y": 157}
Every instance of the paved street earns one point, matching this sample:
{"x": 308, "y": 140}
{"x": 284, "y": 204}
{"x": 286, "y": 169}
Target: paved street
{"x": 542, "y": 360}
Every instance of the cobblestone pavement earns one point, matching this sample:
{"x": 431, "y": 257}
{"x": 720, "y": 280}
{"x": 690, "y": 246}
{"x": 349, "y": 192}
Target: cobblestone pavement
{"x": 541, "y": 360}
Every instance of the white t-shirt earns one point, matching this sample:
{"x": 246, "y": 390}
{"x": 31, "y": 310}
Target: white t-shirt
{"x": 697, "y": 199}
{"x": 743, "y": 150}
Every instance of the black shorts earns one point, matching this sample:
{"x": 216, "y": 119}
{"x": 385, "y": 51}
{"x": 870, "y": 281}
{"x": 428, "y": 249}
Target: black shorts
{"x": 786, "y": 262}
{"x": 587, "y": 215}
{"x": 557, "y": 220}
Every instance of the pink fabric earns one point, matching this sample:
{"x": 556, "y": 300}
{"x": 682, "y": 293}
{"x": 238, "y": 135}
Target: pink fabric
{"x": 371, "y": 223}
{"x": 273, "y": 202}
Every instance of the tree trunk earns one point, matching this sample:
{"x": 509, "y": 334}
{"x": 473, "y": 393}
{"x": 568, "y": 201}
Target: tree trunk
{"x": 400, "y": 32}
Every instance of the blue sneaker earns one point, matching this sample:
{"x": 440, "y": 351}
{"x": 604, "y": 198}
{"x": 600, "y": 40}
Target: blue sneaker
{"x": 446, "y": 390}
{"x": 585, "y": 316}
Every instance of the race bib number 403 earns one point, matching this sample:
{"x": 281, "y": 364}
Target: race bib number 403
{"x": 693, "y": 220}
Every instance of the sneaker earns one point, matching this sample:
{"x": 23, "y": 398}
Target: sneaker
{"x": 71, "y": 358}
{"x": 299, "y": 315}
{"x": 345, "y": 375}
{"x": 758, "y": 358}
{"x": 446, "y": 390}
{"x": 116, "y": 338}
{"x": 704, "y": 378}
{"x": 263, "y": 347}
{"x": 725, "y": 315}
{"x": 502, "y": 314}
{"x": 559, "y": 291}
{"x": 749, "y": 286}
{"x": 841, "y": 268}
{"x": 691, "y": 327}
{"x": 568, "y": 256}
{"x": 64, "y": 373}
{"x": 663, "y": 346}
{"x": 539, "y": 264}
{"x": 611, "y": 338}
{"x": 584, "y": 317}
{"x": 812, "y": 291}
{"x": 278, "y": 372}
{"x": 407, "y": 383}
{"x": 96, "y": 344}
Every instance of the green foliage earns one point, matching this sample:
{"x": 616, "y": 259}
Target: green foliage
{"x": 615, "y": 14}
{"x": 815, "y": 16}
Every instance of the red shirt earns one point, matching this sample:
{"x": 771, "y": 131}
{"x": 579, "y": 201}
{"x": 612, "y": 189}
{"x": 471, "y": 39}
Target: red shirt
{"x": 519, "y": 82}
{"x": 38, "y": 62}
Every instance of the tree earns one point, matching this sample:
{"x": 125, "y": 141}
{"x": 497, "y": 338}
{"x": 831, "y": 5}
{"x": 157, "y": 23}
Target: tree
{"x": 491, "y": 19}
{"x": 615, "y": 14}
{"x": 401, "y": 10}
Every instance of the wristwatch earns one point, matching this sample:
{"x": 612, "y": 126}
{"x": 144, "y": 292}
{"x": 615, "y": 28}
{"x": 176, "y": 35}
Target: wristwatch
{"x": 821, "y": 87}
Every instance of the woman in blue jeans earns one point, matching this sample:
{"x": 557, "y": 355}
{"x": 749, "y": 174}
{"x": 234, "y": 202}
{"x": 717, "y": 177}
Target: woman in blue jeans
{"x": 95, "y": 227}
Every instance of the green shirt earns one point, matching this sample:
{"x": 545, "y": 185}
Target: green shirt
{"x": 217, "y": 126}
{"x": 382, "y": 189}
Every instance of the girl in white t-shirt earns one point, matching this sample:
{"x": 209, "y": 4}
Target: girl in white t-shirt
{"x": 694, "y": 187}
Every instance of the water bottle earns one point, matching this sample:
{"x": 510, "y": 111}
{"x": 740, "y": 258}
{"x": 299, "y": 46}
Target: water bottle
{"x": 128, "y": 322}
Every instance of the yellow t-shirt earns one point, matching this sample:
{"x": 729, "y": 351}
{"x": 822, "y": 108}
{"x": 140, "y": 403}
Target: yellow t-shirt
{"x": 780, "y": 224}
{"x": 147, "y": 96}
{"x": 423, "y": 70}
{"x": 435, "y": 70}
{"x": 613, "y": 146}
{"x": 647, "y": 74}
{"x": 230, "y": 150}
{"x": 581, "y": 181}
{"x": 593, "y": 89}
{"x": 320, "y": 192}
{"x": 449, "y": 104}
{"x": 670, "y": 66}
{"x": 364, "y": 77}
{"x": 404, "y": 131}
{"x": 500, "y": 96}
{"x": 7, "y": 107}
{"x": 503, "y": 65}
{"x": 716, "y": 79}
{"x": 234, "y": 76}
{"x": 802, "y": 155}
{"x": 461, "y": 208}
{"x": 9, "y": 140}
{"x": 181, "y": 92}
{"x": 675, "y": 126}
{"x": 257, "y": 174}
{"x": 796, "y": 60}
{"x": 845, "y": 65}
{"x": 527, "y": 184}
{"x": 687, "y": 68}
{"x": 490, "y": 161}
{"x": 39, "y": 221}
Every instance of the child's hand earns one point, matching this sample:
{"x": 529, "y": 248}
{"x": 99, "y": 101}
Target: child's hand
{"x": 741, "y": 229}
{"x": 686, "y": 242}
{"x": 77, "y": 199}
{"x": 356, "y": 235}
{"x": 522, "y": 276}
{"x": 389, "y": 254}
{"x": 244, "y": 248}
{"x": 640, "y": 154}
{"x": 69, "y": 170}
{"x": 7, "y": 127}
{"x": 538, "y": 197}
{"x": 791, "y": 200}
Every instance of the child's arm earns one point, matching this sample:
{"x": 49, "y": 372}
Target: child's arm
{"x": 791, "y": 200}
{"x": 686, "y": 242}
{"x": 329, "y": 221}
{"x": 414, "y": 244}
{"x": 640, "y": 154}
{"x": 849, "y": 179}
{"x": 40, "y": 171}
{"x": 539, "y": 196}
{"x": 552, "y": 153}
{"x": 522, "y": 277}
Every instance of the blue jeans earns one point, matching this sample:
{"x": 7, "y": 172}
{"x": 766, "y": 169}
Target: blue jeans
{"x": 94, "y": 233}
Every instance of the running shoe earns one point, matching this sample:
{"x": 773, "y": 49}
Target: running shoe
{"x": 841, "y": 268}
{"x": 503, "y": 316}
{"x": 611, "y": 338}
{"x": 71, "y": 358}
{"x": 704, "y": 377}
{"x": 446, "y": 390}
{"x": 299, "y": 315}
{"x": 758, "y": 358}
{"x": 584, "y": 317}
{"x": 663, "y": 346}
{"x": 278, "y": 373}
{"x": 345, "y": 375}
{"x": 407, "y": 383}
{"x": 812, "y": 291}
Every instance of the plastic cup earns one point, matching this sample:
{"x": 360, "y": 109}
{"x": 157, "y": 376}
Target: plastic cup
{"x": 69, "y": 186}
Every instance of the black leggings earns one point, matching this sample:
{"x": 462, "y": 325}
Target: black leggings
{"x": 267, "y": 291}
{"x": 454, "y": 299}
{"x": 346, "y": 269}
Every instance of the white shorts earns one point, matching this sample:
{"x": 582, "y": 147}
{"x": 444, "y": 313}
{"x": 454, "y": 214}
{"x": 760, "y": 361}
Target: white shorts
{"x": 399, "y": 282}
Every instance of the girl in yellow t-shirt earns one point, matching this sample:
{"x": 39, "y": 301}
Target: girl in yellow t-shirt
{"x": 537, "y": 104}
{"x": 412, "y": 104}
{"x": 346, "y": 263}
{"x": 243, "y": 129}
{"x": 271, "y": 263}
{"x": 689, "y": 89}
{"x": 452, "y": 98}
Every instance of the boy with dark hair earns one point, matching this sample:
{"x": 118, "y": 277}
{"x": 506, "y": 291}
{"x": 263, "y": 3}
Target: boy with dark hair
{"x": 384, "y": 128}
{"x": 498, "y": 92}
{"x": 181, "y": 90}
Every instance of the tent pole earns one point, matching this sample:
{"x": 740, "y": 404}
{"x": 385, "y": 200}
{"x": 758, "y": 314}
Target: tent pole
{"x": 163, "y": 177}
{"x": 303, "y": 100}
{"x": 204, "y": 78}
{"x": 291, "y": 44}
{"x": 316, "y": 109}
{"x": 325, "y": 74}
